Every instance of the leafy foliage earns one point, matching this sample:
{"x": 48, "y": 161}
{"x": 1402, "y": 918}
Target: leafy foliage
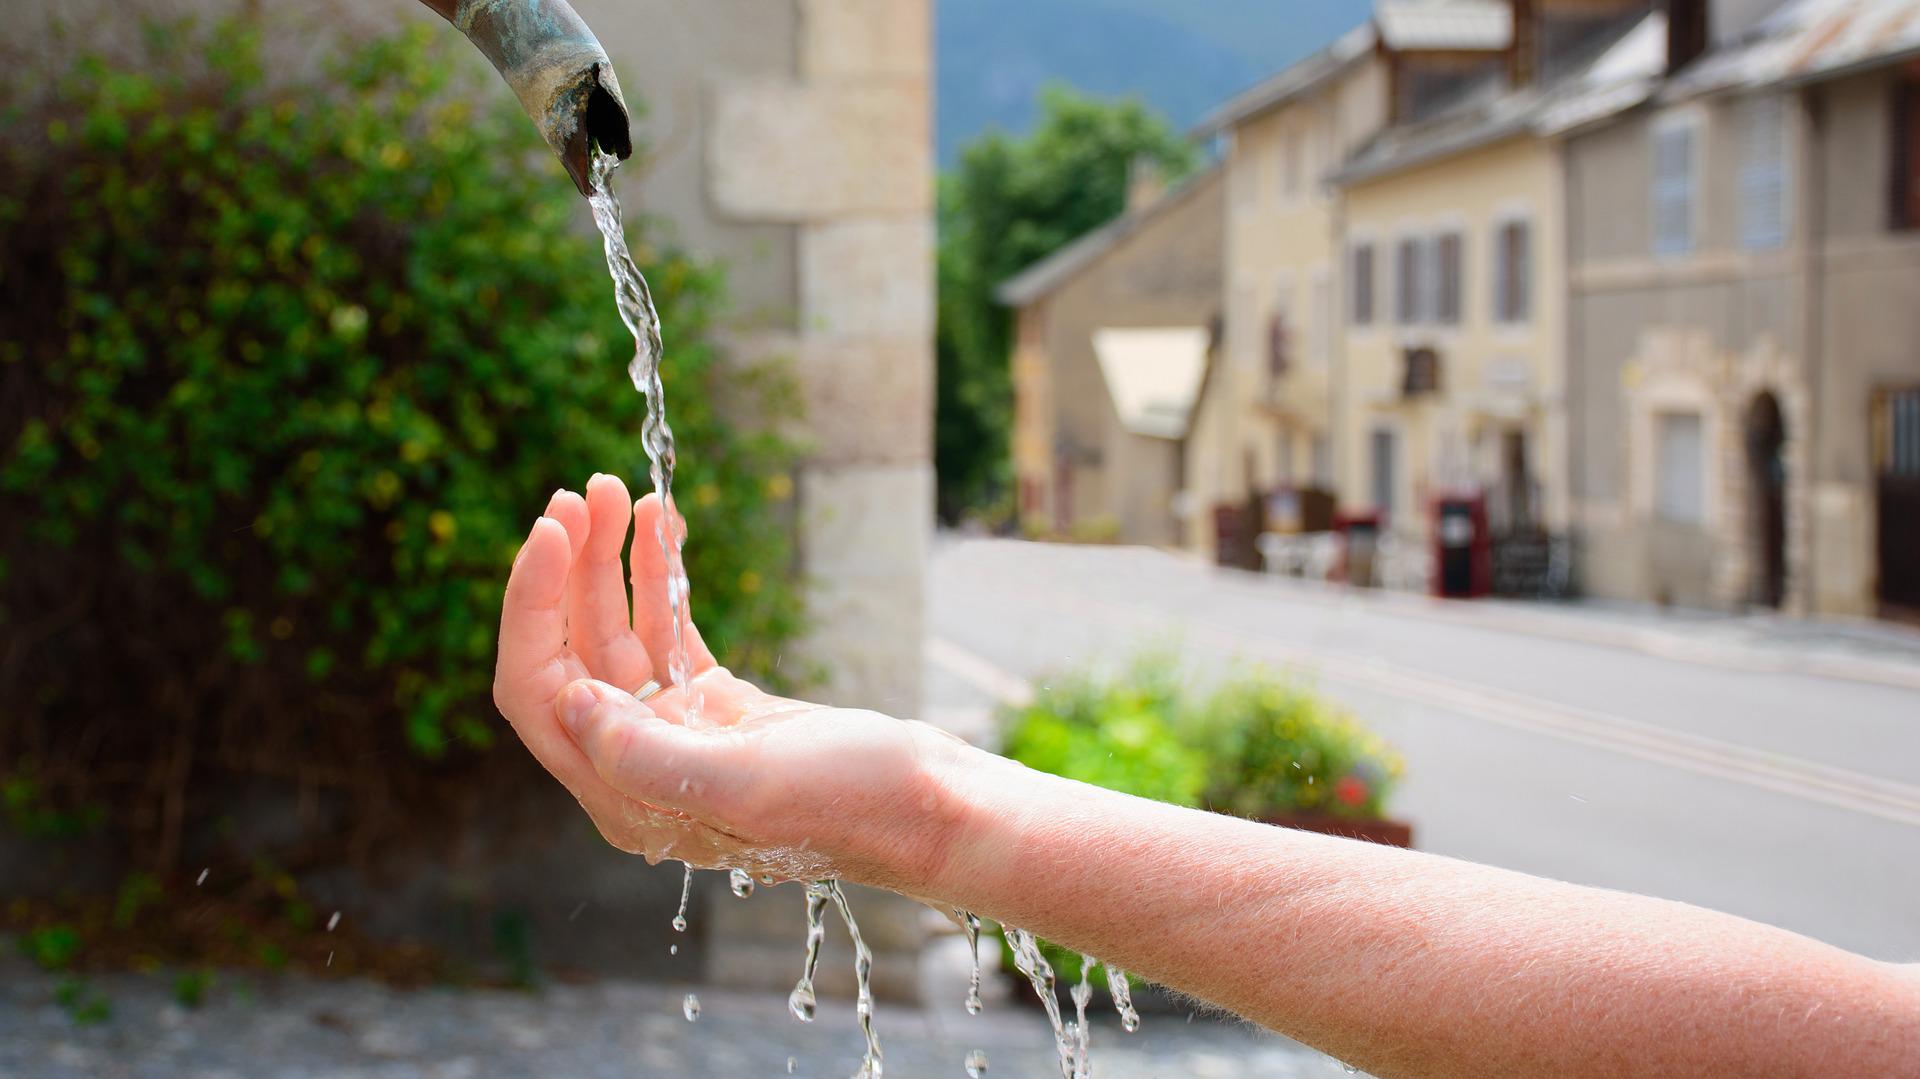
{"x": 1008, "y": 204}
{"x": 1257, "y": 744}
{"x": 1281, "y": 747}
{"x": 286, "y": 368}
{"x": 1118, "y": 733}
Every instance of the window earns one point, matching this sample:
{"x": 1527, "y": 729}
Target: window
{"x": 1513, "y": 272}
{"x": 1905, "y": 181}
{"x": 1673, "y": 187}
{"x": 1380, "y": 474}
{"x": 1680, "y": 485}
{"x": 1407, "y": 282}
{"x": 1447, "y": 279}
{"x": 1320, "y": 317}
{"x": 1763, "y": 174}
{"x": 1280, "y": 330}
{"x": 1363, "y": 278}
{"x": 1295, "y": 147}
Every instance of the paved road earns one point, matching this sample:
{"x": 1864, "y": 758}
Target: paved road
{"x": 1767, "y": 769}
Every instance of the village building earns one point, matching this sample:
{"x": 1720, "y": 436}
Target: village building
{"x": 1452, "y": 379}
{"x": 1263, "y": 436}
{"x": 1112, "y": 335}
{"x": 1745, "y": 302}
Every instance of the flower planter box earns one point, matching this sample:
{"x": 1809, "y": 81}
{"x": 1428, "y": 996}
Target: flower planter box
{"x": 1385, "y": 830}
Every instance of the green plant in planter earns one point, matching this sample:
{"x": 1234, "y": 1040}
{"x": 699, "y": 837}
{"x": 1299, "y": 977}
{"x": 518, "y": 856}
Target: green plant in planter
{"x": 1119, "y": 731}
{"x": 1277, "y": 747}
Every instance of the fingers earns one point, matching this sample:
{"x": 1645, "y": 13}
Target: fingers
{"x": 571, "y": 511}
{"x": 598, "y": 629}
{"x": 534, "y": 663}
{"x": 652, "y": 613}
{"x": 642, "y": 755}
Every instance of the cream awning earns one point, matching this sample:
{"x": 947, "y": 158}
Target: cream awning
{"x": 1154, "y": 376}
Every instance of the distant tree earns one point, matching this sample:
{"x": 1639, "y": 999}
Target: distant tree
{"x": 1007, "y": 204}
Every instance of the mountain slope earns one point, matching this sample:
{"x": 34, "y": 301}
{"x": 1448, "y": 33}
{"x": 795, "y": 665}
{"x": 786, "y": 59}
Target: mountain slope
{"x": 1180, "y": 56}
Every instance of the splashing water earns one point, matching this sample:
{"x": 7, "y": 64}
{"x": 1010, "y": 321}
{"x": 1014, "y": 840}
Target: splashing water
{"x": 690, "y": 1007}
{"x": 1039, "y": 974}
{"x": 863, "y": 982}
{"x": 971, "y": 922}
{"x": 741, "y": 883}
{"x": 686, "y": 892}
{"x": 1082, "y": 1036}
{"x": 635, "y": 302}
{"x": 976, "y": 1064}
{"x": 801, "y": 1001}
{"x": 790, "y": 1063}
{"x": 1122, "y": 990}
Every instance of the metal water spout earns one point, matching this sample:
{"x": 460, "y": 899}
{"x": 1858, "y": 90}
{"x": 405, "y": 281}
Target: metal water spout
{"x": 558, "y": 70}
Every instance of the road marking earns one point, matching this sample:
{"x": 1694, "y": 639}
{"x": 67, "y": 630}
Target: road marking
{"x": 1841, "y": 788}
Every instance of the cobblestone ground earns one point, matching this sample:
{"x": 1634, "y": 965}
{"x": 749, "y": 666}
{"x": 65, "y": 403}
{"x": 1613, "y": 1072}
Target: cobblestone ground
{"x": 292, "y": 1026}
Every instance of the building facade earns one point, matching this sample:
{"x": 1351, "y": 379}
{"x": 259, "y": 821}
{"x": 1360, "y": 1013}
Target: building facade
{"x": 1112, "y": 338}
{"x": 1453, "y": 372}
{"x": 1742, "y": 286}
{"x": 1266, "y": 422}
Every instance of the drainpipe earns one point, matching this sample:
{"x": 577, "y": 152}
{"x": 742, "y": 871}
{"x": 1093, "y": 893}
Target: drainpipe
{"x": 1813, "y": 325}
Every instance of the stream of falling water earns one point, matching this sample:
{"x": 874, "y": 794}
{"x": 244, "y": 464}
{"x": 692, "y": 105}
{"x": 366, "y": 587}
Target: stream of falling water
{"x": 1039, "y": 973}
{"x": 635, "y": 302}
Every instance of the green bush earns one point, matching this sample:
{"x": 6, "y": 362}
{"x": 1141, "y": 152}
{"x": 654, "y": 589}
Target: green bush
{"x": 1257, "y": 744}
{"x": 1279, "y": 747}
{"x": 1117, "y": 732}
{"x": 286, "y": 371}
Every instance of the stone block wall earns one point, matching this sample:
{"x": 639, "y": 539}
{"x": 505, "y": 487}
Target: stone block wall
{"x": 841, "y": 151}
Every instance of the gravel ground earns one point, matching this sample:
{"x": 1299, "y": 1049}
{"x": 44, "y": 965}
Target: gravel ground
{"x": 292, "y": 1026}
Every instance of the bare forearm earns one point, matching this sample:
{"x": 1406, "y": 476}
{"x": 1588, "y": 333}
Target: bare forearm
{"x": 1407, "y": 963}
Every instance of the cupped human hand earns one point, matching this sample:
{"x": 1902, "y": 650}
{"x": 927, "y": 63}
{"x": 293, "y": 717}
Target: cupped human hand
{"x": 751, "y": 780}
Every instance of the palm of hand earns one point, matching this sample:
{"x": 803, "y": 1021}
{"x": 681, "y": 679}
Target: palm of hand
{"x": 755, "y": 781}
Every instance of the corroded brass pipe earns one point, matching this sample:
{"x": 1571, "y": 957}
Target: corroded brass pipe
{"x": 558, "y": 70}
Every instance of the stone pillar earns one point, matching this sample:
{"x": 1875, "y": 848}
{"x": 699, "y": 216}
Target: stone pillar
{"x": 842, "y": 151}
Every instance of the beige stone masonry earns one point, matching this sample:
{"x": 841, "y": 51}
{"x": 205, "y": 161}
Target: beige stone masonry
{"x": 857, "y": 39}
{"x": 785, "y": 152}
{"x": 867, "y": 276}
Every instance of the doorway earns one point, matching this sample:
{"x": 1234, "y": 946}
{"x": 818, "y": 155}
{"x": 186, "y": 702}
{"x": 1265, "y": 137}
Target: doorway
{"x": 1766, "y": 437}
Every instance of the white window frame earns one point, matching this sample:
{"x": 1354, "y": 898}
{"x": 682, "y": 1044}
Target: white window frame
{"x": 1692, "y": 122}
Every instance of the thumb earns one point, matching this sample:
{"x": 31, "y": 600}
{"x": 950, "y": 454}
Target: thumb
{"x": 639, "y": 754}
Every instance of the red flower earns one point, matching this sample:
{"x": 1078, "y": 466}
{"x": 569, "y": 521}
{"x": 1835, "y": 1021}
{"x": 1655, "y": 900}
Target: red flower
{"x": 1351, "y": 790}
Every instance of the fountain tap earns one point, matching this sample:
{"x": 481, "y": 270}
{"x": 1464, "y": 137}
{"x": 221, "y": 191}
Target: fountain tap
{"x": 558, "y": 70}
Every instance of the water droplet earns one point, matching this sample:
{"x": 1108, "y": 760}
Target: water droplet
{"x": 766, "y": 879}
{"x": 690, "y": 1007}
{"x": 976, "y": 1064}
{"x": 673, "y": 949}
{"x": 1121, "y": 988}
{"x": 333, "y": 921}
{"x": 790, "y": 1063}
{"x": 203, "y": 878}
{"x": 1350, "y": 1069}
{"x": 741, "y": 883}
{"x": 971, "y": 923}
{"x": 801, "y": 1003}
{"x": 686, "y": 892}
{"x": 329, "y": 958}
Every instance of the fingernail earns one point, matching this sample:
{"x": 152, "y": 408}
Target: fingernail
{"x": 577, "y": 701}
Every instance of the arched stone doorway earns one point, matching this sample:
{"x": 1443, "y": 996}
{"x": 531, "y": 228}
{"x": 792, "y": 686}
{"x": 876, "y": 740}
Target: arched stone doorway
{"x": 1766, "y": 437}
